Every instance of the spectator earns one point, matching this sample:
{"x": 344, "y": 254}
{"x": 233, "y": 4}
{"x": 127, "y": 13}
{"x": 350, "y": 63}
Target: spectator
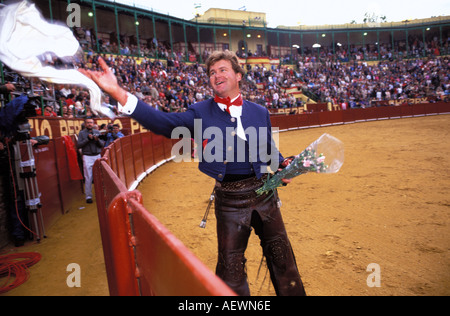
{"x": 139, "y": 94}
{"x": 114, "y": 134}
{"x": 89, "y": 113}
{"x": 67, "y": 113}
{"x": 48, "y": 111}
{"x": 65, "y": 91}
{"x": 78, "y": 108}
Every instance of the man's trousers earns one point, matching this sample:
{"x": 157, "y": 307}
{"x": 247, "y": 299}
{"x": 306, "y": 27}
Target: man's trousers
{"x": 88, "y": 163}
{"x": 238, "y": 209}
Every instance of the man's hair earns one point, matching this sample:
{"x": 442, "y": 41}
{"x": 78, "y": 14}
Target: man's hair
{"x": 224, "y": 55}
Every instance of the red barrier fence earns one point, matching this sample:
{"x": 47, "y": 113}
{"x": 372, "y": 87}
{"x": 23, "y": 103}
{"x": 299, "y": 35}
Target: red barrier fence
{"x": 141, "y": 256}
{"x": 58, "y": 191}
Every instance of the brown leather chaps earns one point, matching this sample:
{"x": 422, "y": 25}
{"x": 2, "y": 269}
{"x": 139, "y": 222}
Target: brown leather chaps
{"x": 238, "y": 209}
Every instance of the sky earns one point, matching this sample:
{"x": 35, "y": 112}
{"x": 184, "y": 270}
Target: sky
{"x": 306, "y": 12}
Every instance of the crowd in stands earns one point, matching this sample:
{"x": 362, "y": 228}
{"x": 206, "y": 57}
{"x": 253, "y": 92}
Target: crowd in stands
{"x": 360, "y": 84}
{"x": 172, "y": 85}
{"x": 415, "y": 47}
{"x": 177, "y": 85}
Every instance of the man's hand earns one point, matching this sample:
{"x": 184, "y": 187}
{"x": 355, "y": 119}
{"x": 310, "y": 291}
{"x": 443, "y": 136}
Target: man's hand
{"x": 107, "y": 81}
{"x": 10, "y": 87}
{"x": 284, "y": 164}
{"x": 93, "y": 137}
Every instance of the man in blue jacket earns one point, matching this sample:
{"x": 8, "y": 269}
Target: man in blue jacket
{"x": 238, "y": 148}
{"x": 113, "y": 134}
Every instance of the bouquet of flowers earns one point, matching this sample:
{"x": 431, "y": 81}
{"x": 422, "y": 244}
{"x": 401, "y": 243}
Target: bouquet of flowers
{"x": 325, "y": 155}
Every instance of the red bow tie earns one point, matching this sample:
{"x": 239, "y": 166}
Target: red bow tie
{"x": 228, "y": 103}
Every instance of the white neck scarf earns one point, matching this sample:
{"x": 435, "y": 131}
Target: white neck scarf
{"x": 236, "y": 112}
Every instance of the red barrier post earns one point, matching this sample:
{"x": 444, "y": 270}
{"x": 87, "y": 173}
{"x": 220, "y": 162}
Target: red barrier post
{"x": 106, "y": 188}
{"x": 120, "y": 237}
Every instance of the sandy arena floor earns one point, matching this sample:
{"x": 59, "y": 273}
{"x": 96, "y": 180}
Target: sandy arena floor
{"x": 389, "y": 205}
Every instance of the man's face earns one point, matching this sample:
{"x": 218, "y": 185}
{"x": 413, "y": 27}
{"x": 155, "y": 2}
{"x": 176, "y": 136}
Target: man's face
{"x": 89, "y": 124}
{"x": 224, "y": 81}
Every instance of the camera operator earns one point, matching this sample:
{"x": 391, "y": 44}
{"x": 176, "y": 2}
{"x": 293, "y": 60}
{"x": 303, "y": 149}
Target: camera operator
{"x": 14, "y": 131}
{"x": 103, "y": 132}
{"x": 11, "y": 200}
{"x": 91, "y": 147}
{"x": 14, "y": 197}
{"x": 113, "y": 134}
{"x": 7, "y": 88}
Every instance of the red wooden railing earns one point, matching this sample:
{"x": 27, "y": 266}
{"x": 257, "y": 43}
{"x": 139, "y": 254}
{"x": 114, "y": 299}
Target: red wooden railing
{"x": 141, "y": 256}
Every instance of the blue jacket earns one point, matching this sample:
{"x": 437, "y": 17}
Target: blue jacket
{"x": 111, "y": 137}
{"x": 225, "y": 153}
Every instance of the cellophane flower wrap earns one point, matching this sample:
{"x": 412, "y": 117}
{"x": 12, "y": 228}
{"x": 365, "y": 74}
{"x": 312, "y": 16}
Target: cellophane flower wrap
{"x": 325, "y": 155}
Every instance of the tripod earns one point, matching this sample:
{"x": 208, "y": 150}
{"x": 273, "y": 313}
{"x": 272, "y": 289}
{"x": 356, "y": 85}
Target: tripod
{"x": 26, "y": 178}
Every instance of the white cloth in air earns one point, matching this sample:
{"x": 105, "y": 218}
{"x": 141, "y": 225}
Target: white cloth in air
{"x": 25, "y": 35}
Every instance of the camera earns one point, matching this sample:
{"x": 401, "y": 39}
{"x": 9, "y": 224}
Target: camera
{"x": 14, "y": 118}
{"x": 29, "y": 109}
